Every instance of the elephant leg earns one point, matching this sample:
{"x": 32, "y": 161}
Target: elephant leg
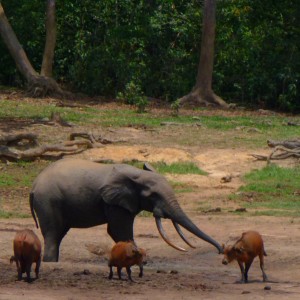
{"x": 53, "y": 227}
{"x": 119, "y": 224}
{"x": 52, "y": 240}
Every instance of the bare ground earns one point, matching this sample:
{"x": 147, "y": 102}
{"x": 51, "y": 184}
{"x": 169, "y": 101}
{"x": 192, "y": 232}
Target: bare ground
{"x": 169, "y": 274}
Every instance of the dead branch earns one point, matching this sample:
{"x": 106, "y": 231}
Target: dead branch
{"x": 282, "y": 150}
{"x": 90, "y": 137}
{"x": 71, "y": 146}
{"x": 16, "y": 138}
{"x": 290, "y": 144}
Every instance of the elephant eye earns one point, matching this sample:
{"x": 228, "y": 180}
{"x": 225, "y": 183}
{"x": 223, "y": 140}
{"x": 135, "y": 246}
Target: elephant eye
{"x": 149, "y": 192}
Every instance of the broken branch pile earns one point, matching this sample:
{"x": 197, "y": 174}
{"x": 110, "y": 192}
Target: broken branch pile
{"x": 282, "y": 150}
{"x": 25, "y": 146}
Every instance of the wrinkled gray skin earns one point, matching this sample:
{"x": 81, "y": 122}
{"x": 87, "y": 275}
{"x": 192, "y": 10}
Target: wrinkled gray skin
{"x": 73, "y": 193}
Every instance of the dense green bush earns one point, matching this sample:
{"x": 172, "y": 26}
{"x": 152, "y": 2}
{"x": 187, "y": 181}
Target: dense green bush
{"x": 102, "y": 46}
{"x": 257, "y": 56}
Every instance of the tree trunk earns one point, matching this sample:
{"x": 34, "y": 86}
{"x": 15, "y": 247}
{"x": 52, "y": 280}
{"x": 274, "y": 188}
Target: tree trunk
{"x": 202, "y": 93}
{"x": 15, "y": 48}
{"x": 50, "y": 40}
{"x": 38, "y": 86}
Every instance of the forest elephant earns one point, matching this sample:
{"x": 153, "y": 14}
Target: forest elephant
{"x": 75, "y": 193}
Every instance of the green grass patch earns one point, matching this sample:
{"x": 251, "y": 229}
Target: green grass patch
{"x": 178, "y": 168}
{"x": 173, "y": 168}
{"x": 9, "y": 214}
{"x": 273, "y": 189}
{"x": 127, "y": 115}
{"x": 180, "y": 187}
{"x": 145, "y": 214}
{"x": 7, "y": 180}
{"x": 20, "y": 174}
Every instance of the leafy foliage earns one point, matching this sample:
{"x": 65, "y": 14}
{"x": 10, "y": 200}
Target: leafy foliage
{"x": 104, "y": 45}
{"x": 134, "y": 95}
{"x": 257, "y": 59}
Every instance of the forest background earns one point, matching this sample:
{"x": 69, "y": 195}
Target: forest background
{"x": 105, "y": 46}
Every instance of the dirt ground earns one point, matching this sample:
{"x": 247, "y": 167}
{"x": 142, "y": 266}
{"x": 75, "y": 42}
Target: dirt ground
{"x": 169, "y": 274}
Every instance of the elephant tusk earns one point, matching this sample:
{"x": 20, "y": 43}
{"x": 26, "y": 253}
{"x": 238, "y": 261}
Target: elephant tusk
{"x": 164, "y": 236}
{"x": 178, "y": 229}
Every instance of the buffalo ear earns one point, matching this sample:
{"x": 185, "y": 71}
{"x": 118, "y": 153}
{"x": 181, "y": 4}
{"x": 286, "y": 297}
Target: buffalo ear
{"x": 119, "y": 189}
{"x": 239, "y": 250}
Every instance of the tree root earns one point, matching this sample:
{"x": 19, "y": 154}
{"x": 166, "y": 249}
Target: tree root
{"x": 200, "y": 98}
{"x": 42, "y": 86}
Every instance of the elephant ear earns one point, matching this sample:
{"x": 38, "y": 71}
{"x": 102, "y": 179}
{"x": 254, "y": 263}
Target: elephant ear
{"x": 119, "y": 189}
{"x": 148, "y": 167}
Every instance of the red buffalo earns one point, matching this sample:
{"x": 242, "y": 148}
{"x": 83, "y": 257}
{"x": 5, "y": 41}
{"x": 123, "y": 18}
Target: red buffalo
{"x": 27, "y": 250}
{"x": 125, "y": 255}
{"x": 244, "y": 251}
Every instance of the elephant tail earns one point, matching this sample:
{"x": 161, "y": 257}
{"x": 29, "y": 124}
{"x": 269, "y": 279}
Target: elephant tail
{"x": 31, "y": 198}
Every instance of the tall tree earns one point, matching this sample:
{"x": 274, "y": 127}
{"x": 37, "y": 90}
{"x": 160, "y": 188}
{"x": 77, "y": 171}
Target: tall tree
{"x": 38, "y": 85}
{"x": 48, "y": 57}
{"x": 202, "y": 93}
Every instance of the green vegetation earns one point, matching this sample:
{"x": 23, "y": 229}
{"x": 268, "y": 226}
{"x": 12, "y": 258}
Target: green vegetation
{"x": 178, "y": 168}
{"x": 180, "y": 187}
{"x": 104, "y": 45}
{"x": 7, "y": 215}
{"x": 20, "y": 174}
{"x": 134, "y": 95}
{"x": 6, "y": 180}
{"x": 273, "y": 191}
{"x": 173, "y": 168}
{"x": 145, "y": 214}
{"x": 271, "y": 125}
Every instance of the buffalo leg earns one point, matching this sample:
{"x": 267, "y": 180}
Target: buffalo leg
{"x": 111, "y": 274}
{"x": 37, "y": 268}
{"x": 28, "y": 270}
{"x": 261, "y": 259}
{"x": 119, "y": 272}
{"x": 129, "y": 273}
{"x": 141, "y": 271}
{"x": 242, "y": 271}
{"x": 19, "y": 269}
{"x": 247, "y": 267}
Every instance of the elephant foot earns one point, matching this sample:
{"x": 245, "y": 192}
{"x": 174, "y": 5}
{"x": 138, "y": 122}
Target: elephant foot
{"x": 48, "y": 258}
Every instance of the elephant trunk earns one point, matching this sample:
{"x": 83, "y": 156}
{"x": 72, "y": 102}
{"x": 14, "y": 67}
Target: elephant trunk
{"x": 183, "y": 220}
